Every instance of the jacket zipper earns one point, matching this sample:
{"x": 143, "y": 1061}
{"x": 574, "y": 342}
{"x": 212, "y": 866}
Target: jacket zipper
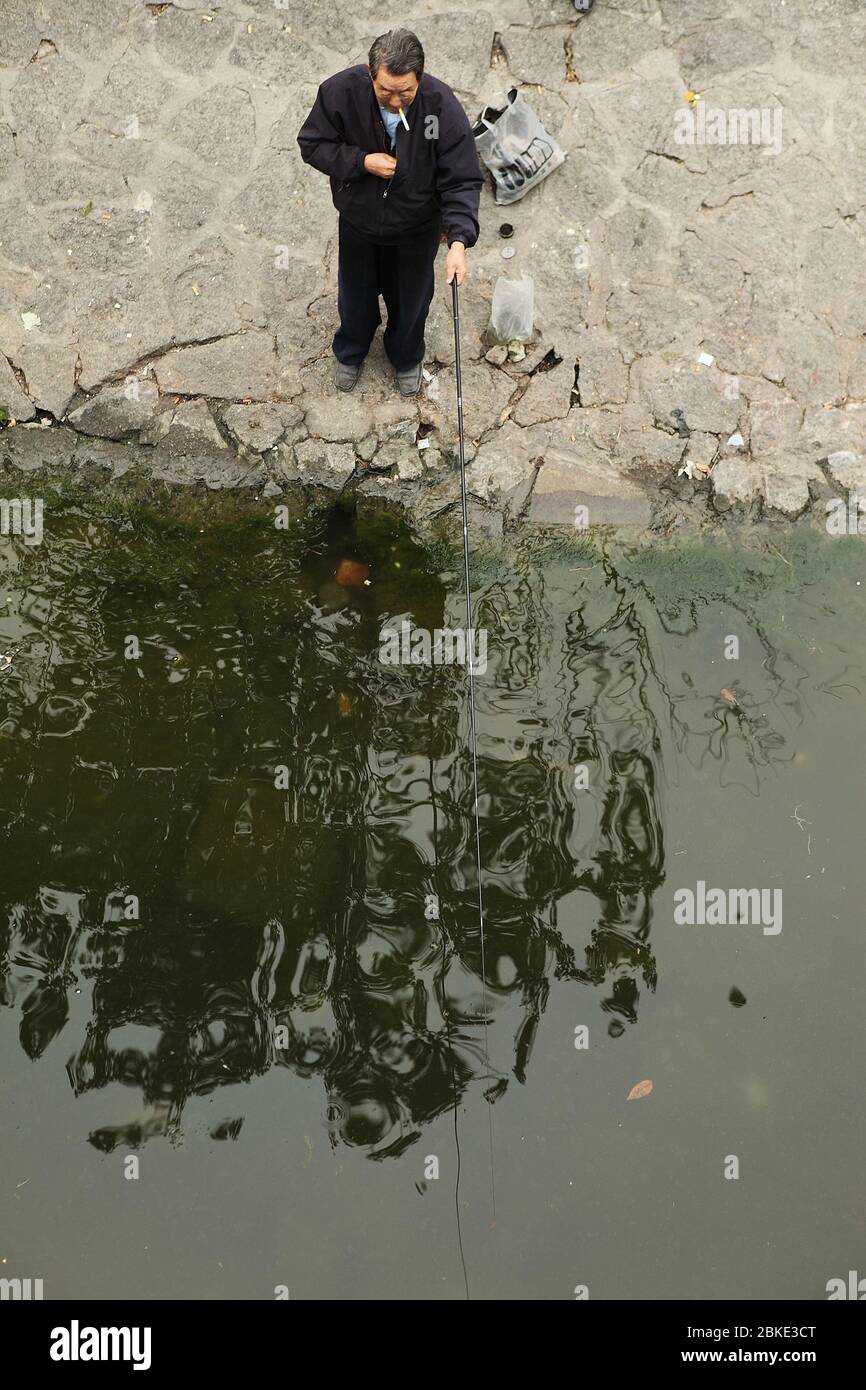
{"x": 383, "y": 140}
{"x": 383, "y": 136}
{"x": 386, "y": 151}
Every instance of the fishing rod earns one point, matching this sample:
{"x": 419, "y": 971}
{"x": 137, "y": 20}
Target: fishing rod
{"x": 473, "y": 742}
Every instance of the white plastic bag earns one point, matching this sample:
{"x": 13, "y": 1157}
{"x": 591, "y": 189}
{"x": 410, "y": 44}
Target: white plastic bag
{"x": 512, "y": 310}
{"x": 515, "y": 147}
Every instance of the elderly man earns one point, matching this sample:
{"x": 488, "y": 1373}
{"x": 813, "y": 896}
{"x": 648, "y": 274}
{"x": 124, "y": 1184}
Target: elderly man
{"x": 392, "y": 206}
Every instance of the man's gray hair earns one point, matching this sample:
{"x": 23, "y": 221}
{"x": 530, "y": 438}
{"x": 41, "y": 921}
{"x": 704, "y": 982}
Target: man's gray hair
{"x": 399, "y": 51}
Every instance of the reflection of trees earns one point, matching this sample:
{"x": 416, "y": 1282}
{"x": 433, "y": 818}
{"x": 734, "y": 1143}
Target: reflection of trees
{"x": 293, "y": 927}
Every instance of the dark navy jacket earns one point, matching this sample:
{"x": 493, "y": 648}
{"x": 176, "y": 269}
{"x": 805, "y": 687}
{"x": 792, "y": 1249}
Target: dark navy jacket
{"x": 438, "y": 175}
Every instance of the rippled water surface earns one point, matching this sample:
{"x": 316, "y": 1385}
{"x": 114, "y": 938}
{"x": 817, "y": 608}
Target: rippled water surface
{"x": 239, "y": 936}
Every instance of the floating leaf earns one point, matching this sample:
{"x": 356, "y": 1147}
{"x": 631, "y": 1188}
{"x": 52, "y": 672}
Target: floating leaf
{"x": 737, "y": 998}
{"x": 352, "y": 573}
{"x": 642, "y": 1088}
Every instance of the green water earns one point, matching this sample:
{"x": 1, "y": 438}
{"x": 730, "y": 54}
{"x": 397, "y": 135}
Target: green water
{"x": 239, "y": 931}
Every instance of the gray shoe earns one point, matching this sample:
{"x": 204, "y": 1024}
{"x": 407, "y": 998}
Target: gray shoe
{"x": 410, "y": 380}
{"x": 345, "y": 377}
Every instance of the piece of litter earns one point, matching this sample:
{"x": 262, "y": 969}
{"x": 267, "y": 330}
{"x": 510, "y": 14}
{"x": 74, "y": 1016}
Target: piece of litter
{"x": 30, "y": 321}
{"x": 507, "y": 252}
{"x": 706, "y": 359}
{"x": 736, "y": 441}
{"x": 428, "y": 376}
{"x": 423, "y": 443}
{"x": 195, "y": 289}
{"x": 688, "y": 468}
{"x": 643, "y": 1088}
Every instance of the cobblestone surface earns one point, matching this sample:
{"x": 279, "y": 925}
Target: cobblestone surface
{"x": 168, "y": 263}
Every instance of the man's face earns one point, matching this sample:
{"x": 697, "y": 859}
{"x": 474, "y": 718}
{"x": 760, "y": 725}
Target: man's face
{"x": 393, "y": 92}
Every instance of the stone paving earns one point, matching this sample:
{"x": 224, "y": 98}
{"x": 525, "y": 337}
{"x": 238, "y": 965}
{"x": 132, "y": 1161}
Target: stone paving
{"x": 168, "y": 263}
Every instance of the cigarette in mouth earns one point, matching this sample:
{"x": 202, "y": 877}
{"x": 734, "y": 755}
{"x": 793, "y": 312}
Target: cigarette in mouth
{"x": 403, "y": 118}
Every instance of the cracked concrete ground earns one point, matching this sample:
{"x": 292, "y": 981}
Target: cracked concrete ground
{"x": 168, "y": 263}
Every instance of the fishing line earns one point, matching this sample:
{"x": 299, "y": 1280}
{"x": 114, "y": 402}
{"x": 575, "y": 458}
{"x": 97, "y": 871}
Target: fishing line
{"x": 445, "y": 1008}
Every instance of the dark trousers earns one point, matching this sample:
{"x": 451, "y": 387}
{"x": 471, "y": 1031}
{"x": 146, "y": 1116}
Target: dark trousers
{"x": 403, "y": 275}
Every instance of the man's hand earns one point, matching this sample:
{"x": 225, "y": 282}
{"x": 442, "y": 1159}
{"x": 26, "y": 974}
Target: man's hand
{"x": 455, "y": 262}
{"x": 382, "y": 165}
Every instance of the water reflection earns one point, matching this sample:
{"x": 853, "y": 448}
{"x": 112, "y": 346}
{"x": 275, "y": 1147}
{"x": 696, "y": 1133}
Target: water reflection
{"x": 249, "y": 845}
